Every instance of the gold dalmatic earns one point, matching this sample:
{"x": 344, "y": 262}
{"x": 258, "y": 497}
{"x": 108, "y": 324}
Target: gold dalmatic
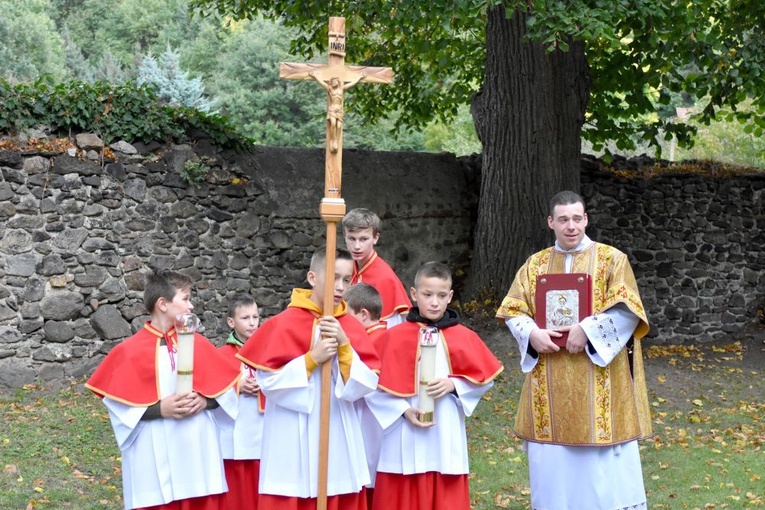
{"x": 566, "y": 399}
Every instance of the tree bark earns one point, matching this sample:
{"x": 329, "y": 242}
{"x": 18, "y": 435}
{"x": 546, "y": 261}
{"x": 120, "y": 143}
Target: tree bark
{"x": 529, "y": 115}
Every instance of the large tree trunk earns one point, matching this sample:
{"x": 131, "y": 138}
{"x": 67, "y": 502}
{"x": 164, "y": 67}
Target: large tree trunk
{"x": 529, "y": 115}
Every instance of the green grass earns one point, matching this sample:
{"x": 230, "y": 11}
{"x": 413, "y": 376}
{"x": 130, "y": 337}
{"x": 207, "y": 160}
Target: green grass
{"x": 57, "y": 449}
{"x": 707, "y": 453}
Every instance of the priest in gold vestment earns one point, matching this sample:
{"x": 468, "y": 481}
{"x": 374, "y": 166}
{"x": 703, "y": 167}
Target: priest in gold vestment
{"x": 583, "y": 406}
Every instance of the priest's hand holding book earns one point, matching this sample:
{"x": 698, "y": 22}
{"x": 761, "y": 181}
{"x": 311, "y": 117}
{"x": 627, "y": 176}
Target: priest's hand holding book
{"x": 542, "y": 339}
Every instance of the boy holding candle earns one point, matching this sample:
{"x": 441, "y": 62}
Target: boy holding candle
{"x": 171, "y": 459}
{"x": 424, "y": 459}
{"x": 241, "y": 441}
{"x": 287, "y": 352}
{"x": 361, "y": 230}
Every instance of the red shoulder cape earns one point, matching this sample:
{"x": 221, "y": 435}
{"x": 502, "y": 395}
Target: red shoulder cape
{"x": 375, "y": 332}
{"x": 128, "y": 373}
{"x": 289, "y": 334}
{"x": 468, "y": 357}
{"x": 377, "y": 273}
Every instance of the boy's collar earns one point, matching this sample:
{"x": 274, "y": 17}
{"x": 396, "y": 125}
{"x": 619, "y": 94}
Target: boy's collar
{"x": 301, "y": 298}
{"x": 448, "y": 319}
{"x": 233, "y": 340}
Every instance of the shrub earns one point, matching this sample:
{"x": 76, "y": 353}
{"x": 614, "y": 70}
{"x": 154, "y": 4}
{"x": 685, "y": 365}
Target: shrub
{"x": 128, "y": 112}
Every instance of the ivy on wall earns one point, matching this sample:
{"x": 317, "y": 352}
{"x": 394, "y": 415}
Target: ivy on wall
{"x": 114, "y": 112}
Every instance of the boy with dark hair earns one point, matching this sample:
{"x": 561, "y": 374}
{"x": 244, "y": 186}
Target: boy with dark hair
{"x": 171, "y": 457}
{"x": 241, "y": 442}
{"x": 287, "y": 351}
{"x": 365, "y": 304}
{"x": 361, "y": 230}
{"x": 424, "y": 458}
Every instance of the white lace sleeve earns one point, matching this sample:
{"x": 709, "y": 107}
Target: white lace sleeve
{"x": 521, "y": 328}
{"x": 609, "y": 332}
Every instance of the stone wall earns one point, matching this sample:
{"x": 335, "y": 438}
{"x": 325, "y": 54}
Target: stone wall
{"x": 79, "y": 230}
{"x": 696, "y": 243}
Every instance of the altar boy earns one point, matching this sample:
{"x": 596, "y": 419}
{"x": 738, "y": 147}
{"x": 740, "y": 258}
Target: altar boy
{"x": 424, "y": 464}
{"x": 171, "y": 457}
{"x": 241, "y": 441}
{"x": 287, "y": 352}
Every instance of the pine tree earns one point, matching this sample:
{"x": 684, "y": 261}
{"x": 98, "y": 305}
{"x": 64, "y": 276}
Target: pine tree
{"x": 172, "y": 83}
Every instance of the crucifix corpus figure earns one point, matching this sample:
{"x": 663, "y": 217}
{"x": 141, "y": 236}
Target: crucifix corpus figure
{"x": 335, "y": 89}
{"x": 335, "y": 77}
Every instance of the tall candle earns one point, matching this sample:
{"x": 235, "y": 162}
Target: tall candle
{"x": 428, "y": 341}
{"x": 185, "y": 327}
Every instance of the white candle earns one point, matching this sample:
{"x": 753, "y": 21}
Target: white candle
{"x": 185, "y": 327}
{"x": 185, "y": 377}
{"x": 428, "y": 341}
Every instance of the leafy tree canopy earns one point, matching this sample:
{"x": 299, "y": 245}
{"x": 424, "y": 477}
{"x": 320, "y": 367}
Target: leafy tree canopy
{"x": 30, "y": 45}
{"x": 641, "y": 54}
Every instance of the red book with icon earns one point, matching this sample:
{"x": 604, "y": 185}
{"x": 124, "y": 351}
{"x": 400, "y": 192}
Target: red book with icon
{"x": 562, "y": 300}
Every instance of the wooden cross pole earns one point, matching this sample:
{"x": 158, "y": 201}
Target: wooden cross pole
{"x": 335, "y": 77}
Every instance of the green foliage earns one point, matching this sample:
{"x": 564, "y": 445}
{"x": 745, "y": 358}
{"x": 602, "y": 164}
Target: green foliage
{"x": 640, "y": 53}
{"x": 239, "y": 64}
{"x": 726, "y": 141}
{"x": 196, "y": 169}
{"x": 459, "y": 137}
{"x": 29, "y": 43}
{"x": 127, "y": 112}
{"x": 435, "y": 48}
{"x": 643, "y": 54}
{"x": 173, "y": 84}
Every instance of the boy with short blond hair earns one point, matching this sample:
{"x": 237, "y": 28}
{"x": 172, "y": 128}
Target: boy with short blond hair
{"x": 428, "y": 459}
{"x": 241, "y": 442}
{"x": 171, "y": 457}
{"x": 287, "y": 351}
{"x": 361, "y": 230}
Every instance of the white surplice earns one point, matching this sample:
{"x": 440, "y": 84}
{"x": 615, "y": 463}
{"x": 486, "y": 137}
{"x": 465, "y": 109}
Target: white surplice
{"x": 443, "y": 447}
{"x": 241, "y": 440}
{"x": 165, "y": 460}
{"x": 290, "y": 454}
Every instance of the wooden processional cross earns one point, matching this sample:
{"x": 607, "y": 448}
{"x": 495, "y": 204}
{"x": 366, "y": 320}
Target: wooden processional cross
{"x": 335, "y": 78}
